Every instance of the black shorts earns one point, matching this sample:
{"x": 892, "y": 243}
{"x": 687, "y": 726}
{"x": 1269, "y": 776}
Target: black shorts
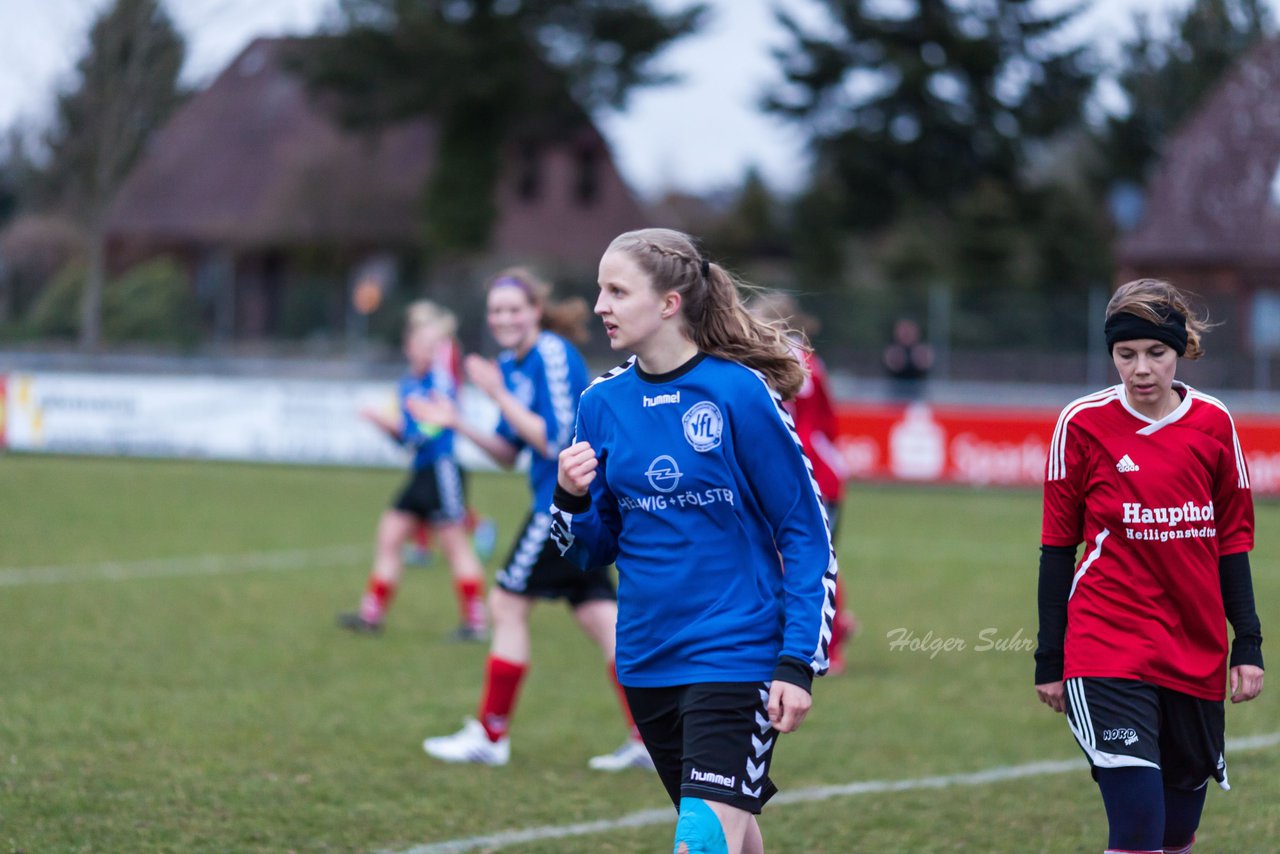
{"x": 434, "y": 494}
{"x": 1126, "y": 723}
{"x": 535, "y": 568}
{"x": 712, "y": 740}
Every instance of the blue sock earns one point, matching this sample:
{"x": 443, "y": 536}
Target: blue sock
{"x": 699, "y": 829}
{"x": 1134, "y": 798}
{"x": 1182, "y": 808}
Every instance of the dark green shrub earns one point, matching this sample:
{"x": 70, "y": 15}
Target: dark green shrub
{"x": 153, "y": 302}
{"x": 56, "y": 311}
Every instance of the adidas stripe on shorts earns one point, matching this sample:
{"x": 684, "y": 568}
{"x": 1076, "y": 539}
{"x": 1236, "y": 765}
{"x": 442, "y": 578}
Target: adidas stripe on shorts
{"x": 1122, "y": 723}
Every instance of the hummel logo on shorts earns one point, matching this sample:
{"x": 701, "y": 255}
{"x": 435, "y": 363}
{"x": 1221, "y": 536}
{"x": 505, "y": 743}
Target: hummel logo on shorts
{"x": 1126, "y": 465}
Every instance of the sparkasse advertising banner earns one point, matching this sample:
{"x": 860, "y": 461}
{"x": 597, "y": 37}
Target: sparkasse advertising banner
{"x": 996, "y": 446}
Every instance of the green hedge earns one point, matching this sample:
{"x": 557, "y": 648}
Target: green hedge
{"x": 150, "y": 303}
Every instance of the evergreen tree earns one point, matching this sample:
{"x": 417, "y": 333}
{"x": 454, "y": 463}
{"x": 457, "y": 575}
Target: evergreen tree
{"x": 916, "y": 109}
{"x": 17, "y": 174}
{"x": 491, "y": 73}
{"x": 126, "y": 87}
{"x": 753, "y": 226}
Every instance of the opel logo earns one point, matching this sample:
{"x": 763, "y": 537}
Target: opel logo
{"x": 664, "y": 475}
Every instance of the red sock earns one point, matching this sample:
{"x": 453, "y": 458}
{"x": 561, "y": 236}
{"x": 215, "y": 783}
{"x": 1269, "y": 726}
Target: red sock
{"x": 471, "y": 602}
{"x": 377, "y": 599}
{"x": 422, "y": 536}
{"x": 470, "y": 521}
{"x": 839, "y": 626}
{"x": 622, "y": 701}
{"x": 501, "y": 684}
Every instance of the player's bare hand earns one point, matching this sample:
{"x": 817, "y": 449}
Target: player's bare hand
{"x": 437, "y": 410}
{"x": 1052, "y": 695}
{"x": 1246, "y": 683}
{"x": 578, "y": 465}
{"x": 484, "y": 374}
{"x": 788, "y": 705}
{"x": 381, "y": 419}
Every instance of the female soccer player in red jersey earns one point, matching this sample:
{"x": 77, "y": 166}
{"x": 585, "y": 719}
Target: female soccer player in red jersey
{"x": 815, "y": 416}
{"x": 1150, "y": 476}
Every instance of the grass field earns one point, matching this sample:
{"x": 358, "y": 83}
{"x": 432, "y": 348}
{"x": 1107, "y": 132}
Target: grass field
{"x": 171, "y": 680}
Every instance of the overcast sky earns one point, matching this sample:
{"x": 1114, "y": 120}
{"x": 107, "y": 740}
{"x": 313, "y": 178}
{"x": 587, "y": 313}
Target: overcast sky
{"x": 698, "y": 135}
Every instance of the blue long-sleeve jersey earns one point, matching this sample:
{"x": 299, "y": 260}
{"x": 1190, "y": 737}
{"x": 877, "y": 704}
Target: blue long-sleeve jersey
{"x": 427, "y": 441}
{"x": 702, "y": 496}
{"x": 548, "y": 380}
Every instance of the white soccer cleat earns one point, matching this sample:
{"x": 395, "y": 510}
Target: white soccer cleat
{"x": 469, "y": 744}
{"x": 632, "y": 754}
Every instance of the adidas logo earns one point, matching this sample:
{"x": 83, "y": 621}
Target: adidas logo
{"x": 1126, "y": 465}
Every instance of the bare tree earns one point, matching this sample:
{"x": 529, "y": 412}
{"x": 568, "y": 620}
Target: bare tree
{"x": 126, "y": 86}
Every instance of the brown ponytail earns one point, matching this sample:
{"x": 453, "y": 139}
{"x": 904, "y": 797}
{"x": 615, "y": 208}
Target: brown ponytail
{"x": 715, "y": 318}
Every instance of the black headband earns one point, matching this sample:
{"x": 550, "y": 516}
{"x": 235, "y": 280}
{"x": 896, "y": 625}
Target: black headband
{"x": 1123, "y": 326}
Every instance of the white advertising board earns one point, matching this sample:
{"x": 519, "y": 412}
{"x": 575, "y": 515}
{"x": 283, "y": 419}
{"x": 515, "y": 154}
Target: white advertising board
{"x": 231, "y": 418}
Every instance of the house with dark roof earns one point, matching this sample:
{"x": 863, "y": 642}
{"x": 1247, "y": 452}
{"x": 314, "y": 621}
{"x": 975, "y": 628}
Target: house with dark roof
{"x": 1211, "y": 216}
{"x": 270, "y": 203}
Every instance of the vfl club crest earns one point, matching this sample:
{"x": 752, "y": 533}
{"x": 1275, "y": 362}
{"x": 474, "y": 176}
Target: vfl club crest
{"x": 703, "y": 424}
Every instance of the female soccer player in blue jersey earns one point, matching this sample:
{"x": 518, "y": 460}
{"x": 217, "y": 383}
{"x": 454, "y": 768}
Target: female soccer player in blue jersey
{"x": 1149, "y": 474}
{"x": 535, "y": 384}
{"x": 688, "y": 473}
{"x": 434, "y": 492}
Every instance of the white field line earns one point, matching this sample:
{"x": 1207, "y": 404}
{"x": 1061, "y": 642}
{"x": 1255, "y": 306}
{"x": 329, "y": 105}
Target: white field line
{"x": 276, "y": 561}
{"x": 820, "y": 793}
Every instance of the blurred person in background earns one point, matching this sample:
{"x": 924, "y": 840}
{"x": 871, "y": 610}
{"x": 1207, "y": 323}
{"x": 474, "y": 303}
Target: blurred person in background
{"x": 482, "y": 530}
{"x": 536, "y": 384}
{"x": 815, "y": 417}
{"x": 907, "y": 360}
{"x": 1132, "y": 646}
{"x": 688, "y": 472}
{"x": 434, "y": 491}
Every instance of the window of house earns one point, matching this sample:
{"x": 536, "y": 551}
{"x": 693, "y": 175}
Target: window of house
{"x": 529, "y": 181}
{"x": 586, "y": 186}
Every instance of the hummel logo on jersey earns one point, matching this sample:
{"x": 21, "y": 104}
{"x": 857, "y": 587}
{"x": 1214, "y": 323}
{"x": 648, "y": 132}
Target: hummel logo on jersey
{"x": 659, "y": 399}
{"x": 1126, "y": 465}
